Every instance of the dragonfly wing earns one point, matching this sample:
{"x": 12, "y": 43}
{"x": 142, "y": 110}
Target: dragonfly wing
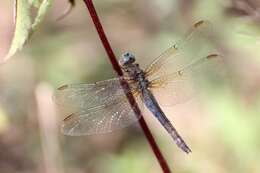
{"x": 173, "y": 93}
{"x": 75, "y": 97}
{"x": 182, "y": 52}
{"x": 101, "y": 119}
{"x": 92, "y": 106}
{"x": 180, "y": 86}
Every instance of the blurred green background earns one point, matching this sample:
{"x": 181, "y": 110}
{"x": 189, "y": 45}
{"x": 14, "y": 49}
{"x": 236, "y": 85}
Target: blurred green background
{"x": 221, "y": 125}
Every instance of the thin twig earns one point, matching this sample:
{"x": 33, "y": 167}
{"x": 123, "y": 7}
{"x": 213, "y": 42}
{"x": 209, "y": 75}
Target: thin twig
{"x": 113, "y": 60}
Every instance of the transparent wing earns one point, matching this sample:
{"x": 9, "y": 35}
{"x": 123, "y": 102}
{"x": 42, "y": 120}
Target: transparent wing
{"x": 74, "y": 97}
{"x": 101, "y": 119}
{"x": 179, "y": 55}
{"x": 96, "y": 108}
{"x": 172, "y": 73}
{"x": 173, "y": 93}
{"x": 178, "y": 87}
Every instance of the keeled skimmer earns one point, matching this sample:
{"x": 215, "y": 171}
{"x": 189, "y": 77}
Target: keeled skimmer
{"x": 103, "y": 106}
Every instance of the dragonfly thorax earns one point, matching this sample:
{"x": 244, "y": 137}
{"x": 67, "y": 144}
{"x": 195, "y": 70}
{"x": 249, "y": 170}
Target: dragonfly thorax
{"x": 132, "y": 69}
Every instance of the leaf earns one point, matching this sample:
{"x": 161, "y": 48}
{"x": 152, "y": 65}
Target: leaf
{"x": 22, "y": 27}
{"x": 23, "y": 22}
{"x": 35, "y": 3}
{"x": 45, "y": 5}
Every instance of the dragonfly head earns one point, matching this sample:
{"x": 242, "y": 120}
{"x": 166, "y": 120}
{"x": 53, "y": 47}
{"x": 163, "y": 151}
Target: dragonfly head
{"x": 126, "y": 59}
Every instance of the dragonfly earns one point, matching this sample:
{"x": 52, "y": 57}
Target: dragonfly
{"x": 104, "y": 107}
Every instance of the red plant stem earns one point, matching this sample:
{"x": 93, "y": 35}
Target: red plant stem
{"x": 130, "y": 97}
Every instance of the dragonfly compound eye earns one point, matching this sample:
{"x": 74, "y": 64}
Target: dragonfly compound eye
{"x": 127, "y": 58}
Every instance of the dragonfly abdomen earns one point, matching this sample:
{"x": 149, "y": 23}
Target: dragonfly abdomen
{"x": 154, "y": 107}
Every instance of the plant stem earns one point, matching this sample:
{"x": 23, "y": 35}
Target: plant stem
{"x": 113, "y": 60}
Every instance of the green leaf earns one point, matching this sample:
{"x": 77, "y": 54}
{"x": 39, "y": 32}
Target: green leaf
{"x": 35, "y": 3}
{"x": 45, "y": 5}
{"x": 23, "y": 22}
{"x": 22, "y": 27}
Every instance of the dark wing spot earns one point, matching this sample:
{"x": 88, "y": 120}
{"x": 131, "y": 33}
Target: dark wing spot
{"x": 180, "y": 73}
{"x": 63, "y": 87}
{"x": 212, "y": 56}
{"x": 196, "y": 25}
{"x": 69, "y": 117}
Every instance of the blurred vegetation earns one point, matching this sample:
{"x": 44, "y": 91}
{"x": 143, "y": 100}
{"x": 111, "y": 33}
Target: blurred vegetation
{"x": 221, "y": 125}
